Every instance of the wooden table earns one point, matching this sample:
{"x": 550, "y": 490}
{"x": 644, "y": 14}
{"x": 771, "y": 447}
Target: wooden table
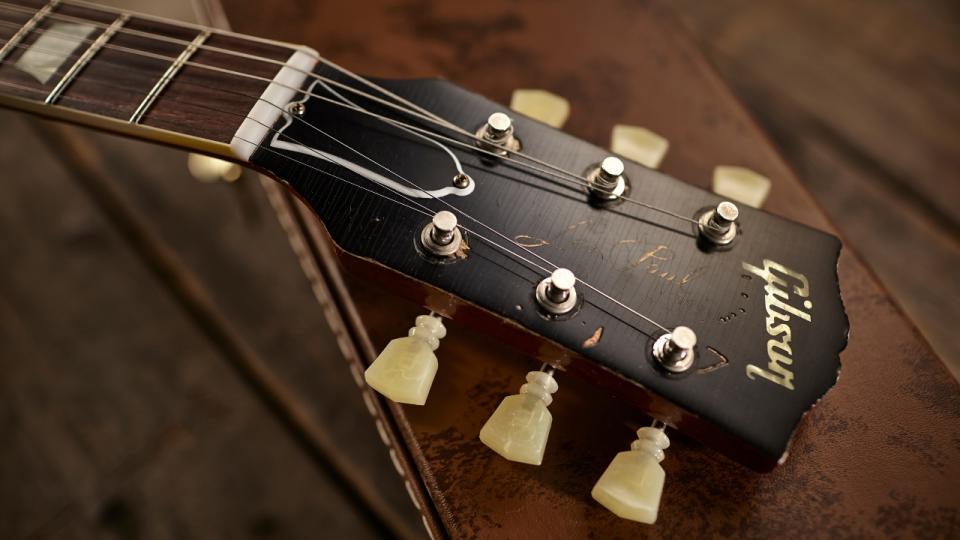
{"x": 168, "y": 372}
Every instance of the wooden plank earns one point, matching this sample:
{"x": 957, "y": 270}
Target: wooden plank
{"x": 250, "y": 274}
{"x": 858, "y": 98}
{"x": 875, "y": 74}
{"x": 118, "y": 413}
{"x": 876, "y": 457}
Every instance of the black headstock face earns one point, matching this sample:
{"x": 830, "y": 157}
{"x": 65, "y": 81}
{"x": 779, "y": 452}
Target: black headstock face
{"x": 766, "y": 309}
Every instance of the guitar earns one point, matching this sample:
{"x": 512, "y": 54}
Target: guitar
{"x": 727, "y": 337}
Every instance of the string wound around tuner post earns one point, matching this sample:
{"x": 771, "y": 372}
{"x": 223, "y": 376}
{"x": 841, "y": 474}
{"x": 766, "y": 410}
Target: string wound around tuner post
{"x": 718, "y": 226}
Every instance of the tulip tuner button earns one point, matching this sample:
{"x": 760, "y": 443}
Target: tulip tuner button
{"x": 518, "y": 429}
{"x": 441, "y": 237}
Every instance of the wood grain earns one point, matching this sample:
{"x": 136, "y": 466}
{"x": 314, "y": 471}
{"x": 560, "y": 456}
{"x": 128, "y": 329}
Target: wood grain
{"x": 862, "y": 99}
{"x": 892, "y": 414}
{"x": 854, "y": 471}
{"x": 120, "y": 415}
{"x": 647, "y": 261}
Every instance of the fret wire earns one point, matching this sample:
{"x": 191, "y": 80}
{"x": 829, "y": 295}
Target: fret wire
{"x": 155, "y": 36}
{"x": 573, "y": 178}
{"x": 538, "y": 165}
{"x": 417, "y": 203}
{"x": 182, "y": 24}
{"x": 27, "y": 27}
{"x": 155, "y": 18}
{"x": 85, "y": 58}
{"x": 165, "y": 79}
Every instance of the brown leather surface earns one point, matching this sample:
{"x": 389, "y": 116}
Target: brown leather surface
{"x": 880, "y": 455}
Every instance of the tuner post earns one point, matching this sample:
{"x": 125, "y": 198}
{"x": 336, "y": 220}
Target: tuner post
{"x": 557, "y": 294}
{"x": 606, "y": 180}
{"x": 497, "y": 134}
{"x": 718, "y": 226}
{"x": 675, "y": 350}
{"x": 442, "y": 236}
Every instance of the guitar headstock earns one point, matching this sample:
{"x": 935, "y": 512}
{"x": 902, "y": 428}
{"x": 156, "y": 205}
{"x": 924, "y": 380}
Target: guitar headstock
{"x": 722, "y": 321}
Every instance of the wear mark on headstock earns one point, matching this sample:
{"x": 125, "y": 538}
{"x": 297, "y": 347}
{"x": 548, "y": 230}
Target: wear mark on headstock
{"x": 594, "y": 338}
{"x": 527, "y": 241}
{"x": 722, "y": 361}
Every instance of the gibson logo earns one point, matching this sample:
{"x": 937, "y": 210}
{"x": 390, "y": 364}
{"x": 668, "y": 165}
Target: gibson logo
{"x": 779, "y": 311}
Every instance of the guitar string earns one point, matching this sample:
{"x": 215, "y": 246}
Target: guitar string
{"x": 508, "y": 239}
{"x": 423, "y": 209}
{"x": 347, "y": 104}
{"x": 317, "y": 96}
{"x": 419, "y": 131}
{"x": 427, "y": 116}
{"x": 354, "y": 184}
{"x": 423, "y": 114}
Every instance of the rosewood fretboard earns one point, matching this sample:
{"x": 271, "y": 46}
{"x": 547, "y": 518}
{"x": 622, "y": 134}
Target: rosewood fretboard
{"x": 131, "y": 74}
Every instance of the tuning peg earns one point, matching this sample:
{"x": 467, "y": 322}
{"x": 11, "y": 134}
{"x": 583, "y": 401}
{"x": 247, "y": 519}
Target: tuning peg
{"x": 718, "y": 226}
{"x": 541, "y": 105}
{"x": 606, "y": 181}
{"x": 498, "y": 135}
{"x": 741, "y": 184}
{"x": 633, "y": 482}
{"x": 639, "y": 144}
{"x": 405, "y": 369}
{"x": 208, "y": 169}
{"x": 519, "y": 428}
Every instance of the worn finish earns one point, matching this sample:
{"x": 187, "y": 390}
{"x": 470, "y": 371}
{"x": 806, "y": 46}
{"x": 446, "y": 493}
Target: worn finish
{"x": 648, "y": 261}
{"x": 645, "y": 271}
{"x": 879, "y": 456}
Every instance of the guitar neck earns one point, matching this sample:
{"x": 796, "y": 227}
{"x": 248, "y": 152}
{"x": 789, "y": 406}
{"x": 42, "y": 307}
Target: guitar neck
{"x": 146, "y": 77}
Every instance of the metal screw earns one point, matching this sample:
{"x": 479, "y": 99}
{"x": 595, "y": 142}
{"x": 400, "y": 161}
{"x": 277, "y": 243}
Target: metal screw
{"x": 297, "y": 109}
{"x": 461, "y": 181}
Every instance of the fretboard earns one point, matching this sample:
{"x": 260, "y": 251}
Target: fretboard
{"x": 143, "y": 76}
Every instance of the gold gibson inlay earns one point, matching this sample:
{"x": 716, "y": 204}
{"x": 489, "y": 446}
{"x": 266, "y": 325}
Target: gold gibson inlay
{"x": 779, "y": 311}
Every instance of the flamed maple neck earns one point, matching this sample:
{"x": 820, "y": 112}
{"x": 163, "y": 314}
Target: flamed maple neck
{"x": 148, "y": 77}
